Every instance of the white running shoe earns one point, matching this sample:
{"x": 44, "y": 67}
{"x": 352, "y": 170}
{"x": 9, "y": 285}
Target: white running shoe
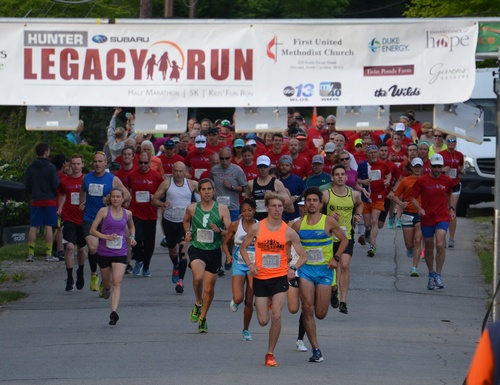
{"x": 300, "y": 346}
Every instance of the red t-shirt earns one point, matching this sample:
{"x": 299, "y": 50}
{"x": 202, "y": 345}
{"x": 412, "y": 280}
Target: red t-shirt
{"x": 399, "y": 156}
{"x": 198, "y": 162}
{"x": 216, "y": 148}
{"x": 275, "y": 158}
{"x": 251, "y": 172}
{"x": 135, "y": 161}
{"x": 314, "y": 138}
{"x": 142, "y": 186}
{"x": 453, "y": 160}
{"x": 70, "y": 187}
{"x": 434, "y": 194}
{"x": 378, "y": 170}
{"x": 301, "y": 167}
{"x": 123, "y": 174}
{"x": 168, "y": 163}
{"x": 349, "y": 146}
{"x": 395, "y": 174}
{"x": 328, "y": 166}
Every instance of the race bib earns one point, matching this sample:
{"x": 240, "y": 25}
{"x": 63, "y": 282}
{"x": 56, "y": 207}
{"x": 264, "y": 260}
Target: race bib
{"x": 317, "y": 142}
{"x": 75, "y": 198}
{"x": 452, "y": 173}
{"x": 204, "y": 236}
{"x": 261, "y": 205}
{"x": 251, "y": 255}
{"x": 374, "y": 175}
{"x": 142, "y": 196}
{"x": 198, "y": 172}
{"x": 315, "y": 255}
{"x": 224, "y": 200}
{"x": 178, "y": 212}
{"x": 116, "y": 244}
{"x": 344, "y": 229}
{"x": 271, "y": 261}
{"x": 406, "y": 220}
{"x": 96, "y": 190}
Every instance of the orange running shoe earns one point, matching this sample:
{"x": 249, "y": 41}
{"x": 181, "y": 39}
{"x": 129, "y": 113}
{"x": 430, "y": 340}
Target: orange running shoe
{"x": 270, "y": 361}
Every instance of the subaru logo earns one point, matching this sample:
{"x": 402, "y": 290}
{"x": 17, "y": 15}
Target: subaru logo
{"x": 99, "y": 39}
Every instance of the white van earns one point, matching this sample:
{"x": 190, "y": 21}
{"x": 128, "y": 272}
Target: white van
{"x": 479, "y": 180}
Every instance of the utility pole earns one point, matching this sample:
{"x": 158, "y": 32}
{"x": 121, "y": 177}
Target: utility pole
{"x": 146, "y": 9}
{"x": 169, "y": 8}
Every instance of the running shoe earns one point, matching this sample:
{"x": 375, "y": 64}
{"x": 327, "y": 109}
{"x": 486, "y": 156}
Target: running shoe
{"x": 137, "y": 268}
{"x": 361, "y": 240}
{"x": 30, "y": 258}
{"x": 70, "y": 284}
{"x": 409, "y": 252}
{"x": 221, "y": 272}
{"x": 373, "y": 250}
{"x": 163, "y": 242}
{"x": 94, "y": 282}
{"x": 317, "y": 356}
{"x": 80, "y": 281}
{"x": 233, "y": 306}
{"x": 106, "y": 293}
{"x": 398, "y": 223}
{"x": 390, "y": 223}
{"x": 113, "y": 318}
{"x": 451, "y": 244}
{"x": 246, "y": 335}
{"x": 51, "y": 258}
{"x": 195, "y": 313}
{"x": 439, "y": 281}
{"x": 414, "y": 272}
{"x": 129, "y": 269}
{"x": 146, "y": 273}
{"x": 431, "y": 284}
{"x": 101, "y": 290}
{"x": 300, "y": 346}
{"x": 179, "y": 287}
{"x": 175, "y": 276}
{"x": 270, "y": 361}
{"x": 343, "y": 307}
{"x": 202, "y": 325}
{"x": 334, "y": 299}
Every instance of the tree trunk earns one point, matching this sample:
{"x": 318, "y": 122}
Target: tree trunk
{"x": 169, "y": 8}
{"x": 192, "y": 9}
{"x": 146, "y": 11}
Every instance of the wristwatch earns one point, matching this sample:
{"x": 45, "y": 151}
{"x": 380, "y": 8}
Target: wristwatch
{"x": 293, "y": 268}
{"x": 336, "y": 257}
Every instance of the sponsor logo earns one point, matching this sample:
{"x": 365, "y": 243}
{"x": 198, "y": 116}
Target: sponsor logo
{"x": 272, "y": 49}
{"x": 55, "y": 38}
{"x": 395, "y": 70}
{"x": 301, "y": 92}
{"x": 395, "y": 92}
{"x": 288, "y": 91}
{"x": 387, "y": 44}
{"x": 18, "y": 237}
{"x": 305, "y": 52}
{"x": 439, "y": 72}
{"x": 332, "y": 89}
{"x": 129, "y": 39}
{"x": 447, "y": 39}
{"x": 99, "y": 39}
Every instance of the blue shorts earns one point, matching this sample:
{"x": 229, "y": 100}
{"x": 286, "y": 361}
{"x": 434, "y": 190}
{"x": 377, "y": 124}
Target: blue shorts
{"x": 409, "y": 219}
{"x": 234, "y": 214}
{"x": 317, "y": 274}
{"x": 428, "y": 231}
{"x": 43, "y": 216}
{"x": 239, "y": 266}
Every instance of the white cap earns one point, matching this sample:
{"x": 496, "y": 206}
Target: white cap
{"x": 400, "y": 127}
{"x": 263, "y": 160}
{"x": 417, "y": 161}
{"x": 251, "y": 142}
{"x": 200, "y": 141}
{"x": 330, "y": 147}
{"x": 437, "y": 160}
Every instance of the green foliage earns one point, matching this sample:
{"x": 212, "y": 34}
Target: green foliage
{"x": 18, "y": 252}
{"x": 11, "y": 296}
{"x": 439, "y": 8}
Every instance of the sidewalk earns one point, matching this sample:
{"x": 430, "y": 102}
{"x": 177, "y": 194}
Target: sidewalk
{"x": 396, "y": 333}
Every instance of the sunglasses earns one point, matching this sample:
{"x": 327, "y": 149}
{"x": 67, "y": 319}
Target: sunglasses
{"x": 344, "y": 159}
{"x": 359, "y": 145}
{"x": 200, "y": 141}
{"x": 452, "y": 140}
{"x": 262, "y": 166}
{"x": 192, "y": 137}
{"x": 224, "y": 157}
{"x": 332, "y": 138}
{"x": 330, "y": 124}
{"x": 436, "y": 165}
{"x": 98, "y": 153}
{"x": 438, "y": 136}
{"x": 143, "y": 162}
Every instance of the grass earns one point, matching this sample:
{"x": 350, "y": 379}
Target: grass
{"x": 484, "y": 240}
{"x": 10, "y": 296}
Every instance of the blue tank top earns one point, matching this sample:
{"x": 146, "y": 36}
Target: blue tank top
{"x": 110, "y": 225}
{"x": 97, "y": 188}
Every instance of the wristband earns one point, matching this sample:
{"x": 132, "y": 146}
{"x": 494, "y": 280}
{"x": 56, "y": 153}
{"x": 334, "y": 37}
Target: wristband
{"x": 132, "y": 237}
{"x": 451, "y": 208}
{"x": 293, "y": 268}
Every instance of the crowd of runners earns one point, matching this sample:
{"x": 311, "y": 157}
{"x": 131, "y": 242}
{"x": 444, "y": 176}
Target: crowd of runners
{"x": 281, "y": 211}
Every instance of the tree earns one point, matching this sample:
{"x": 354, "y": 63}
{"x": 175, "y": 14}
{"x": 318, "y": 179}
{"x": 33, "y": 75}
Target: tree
{"x": 450, "y": 8}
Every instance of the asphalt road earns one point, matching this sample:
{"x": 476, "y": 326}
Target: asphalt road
{"x": 397, "y": 332}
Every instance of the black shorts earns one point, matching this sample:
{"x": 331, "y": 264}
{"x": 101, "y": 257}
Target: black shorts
{"x": 294, "y": 282}
{"x": 270, "y": 287}
{"x": 212, "y": 258}
{"x": 457, "y": 189}
{"x": 105, "y": 262}
{"x": 174, "y": 232}
{"x": 348, "y": 250}
{"x": 86, "y": 228}
{"x": 73, "y": 233}
{"x": 383, "y": 214}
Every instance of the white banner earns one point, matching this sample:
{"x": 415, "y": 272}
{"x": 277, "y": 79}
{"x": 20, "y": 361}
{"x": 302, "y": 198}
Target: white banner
{"x": 236, "y": 64}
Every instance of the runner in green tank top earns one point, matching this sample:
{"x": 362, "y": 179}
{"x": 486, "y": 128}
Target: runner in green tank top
{"x": 343, "y": 204}
{"x": 208, "y": 221}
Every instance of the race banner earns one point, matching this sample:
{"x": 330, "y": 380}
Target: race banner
{"x": 225, "y": 63}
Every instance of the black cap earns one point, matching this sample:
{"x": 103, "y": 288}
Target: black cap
{"x": 115, "y": 166}
{"x": 169, "y": 144}
{"x": 213, "y": 131}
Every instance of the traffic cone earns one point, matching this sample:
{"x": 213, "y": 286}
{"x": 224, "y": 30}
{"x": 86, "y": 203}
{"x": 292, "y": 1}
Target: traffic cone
{"x": 314, "y": 116}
